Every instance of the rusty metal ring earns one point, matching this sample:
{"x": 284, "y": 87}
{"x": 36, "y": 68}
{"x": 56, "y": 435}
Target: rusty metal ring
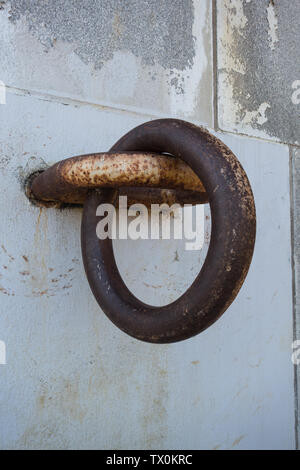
{"x": 230, "y": 250}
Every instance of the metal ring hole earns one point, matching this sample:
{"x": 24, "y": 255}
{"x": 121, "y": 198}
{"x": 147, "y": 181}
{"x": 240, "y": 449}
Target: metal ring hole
{"x": 164, "y": 276}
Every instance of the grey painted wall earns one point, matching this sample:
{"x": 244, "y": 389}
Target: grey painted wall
{"x": 295, "y": 176}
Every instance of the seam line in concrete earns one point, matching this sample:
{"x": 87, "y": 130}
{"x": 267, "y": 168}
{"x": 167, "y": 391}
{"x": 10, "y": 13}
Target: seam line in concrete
{"x": 261, "y": 139}
{"x": 215, "y": 65}
{"x": 292, "y": 218}
{"x": 64, "y": 100}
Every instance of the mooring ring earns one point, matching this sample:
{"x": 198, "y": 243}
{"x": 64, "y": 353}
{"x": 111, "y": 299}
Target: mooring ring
{"x": 230, "y": 250}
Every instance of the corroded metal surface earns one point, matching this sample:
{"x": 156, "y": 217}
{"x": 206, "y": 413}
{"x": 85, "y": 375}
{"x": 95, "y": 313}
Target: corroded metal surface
{"x": 69, "y": 180}
{"x": 148, "y": 196}
{"x": 231, "y": 246}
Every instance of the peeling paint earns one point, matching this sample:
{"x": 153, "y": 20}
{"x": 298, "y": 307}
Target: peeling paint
{"x": 238, "y": 18}
{"x": 137, "y": 55}
{"x": 273, "y": 25}
{"x": 258, "y": 116}
{"x": 157, "y": 32}
{"x": 257, "y": 65}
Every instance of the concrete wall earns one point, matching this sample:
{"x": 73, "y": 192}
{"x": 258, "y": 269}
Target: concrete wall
{"x": 78, "y": 76}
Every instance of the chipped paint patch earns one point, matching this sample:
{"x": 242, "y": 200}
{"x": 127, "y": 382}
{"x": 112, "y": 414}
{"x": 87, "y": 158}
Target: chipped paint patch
{"x": 237, "y": 15}
{"x": 183, "y": 103}
{"x": 273, "y": 25}
{"x": 257, "y": 117}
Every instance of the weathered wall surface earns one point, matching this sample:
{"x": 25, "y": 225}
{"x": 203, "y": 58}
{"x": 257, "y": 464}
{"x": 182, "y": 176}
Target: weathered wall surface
{"x": 159, "y": 51}
{"x": 259, "y": 68}
{"x": 78, "y": 76}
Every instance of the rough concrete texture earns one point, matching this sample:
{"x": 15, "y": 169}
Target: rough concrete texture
{"x": 74, "y": 380}
{"x": 140, "y": 54}
{"x": 158, "y": 32}
{"x": 296, "y": 257}
{"x": 259, "y": 68}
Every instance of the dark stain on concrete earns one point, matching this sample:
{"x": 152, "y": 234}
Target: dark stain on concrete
{"x": 270, "y": 57}
{"x": 155, "y": 31}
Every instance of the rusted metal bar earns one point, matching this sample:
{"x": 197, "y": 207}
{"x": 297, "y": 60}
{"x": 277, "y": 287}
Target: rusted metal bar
{"x": 70, "y": 180}
{"x": 148, "y": 196}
